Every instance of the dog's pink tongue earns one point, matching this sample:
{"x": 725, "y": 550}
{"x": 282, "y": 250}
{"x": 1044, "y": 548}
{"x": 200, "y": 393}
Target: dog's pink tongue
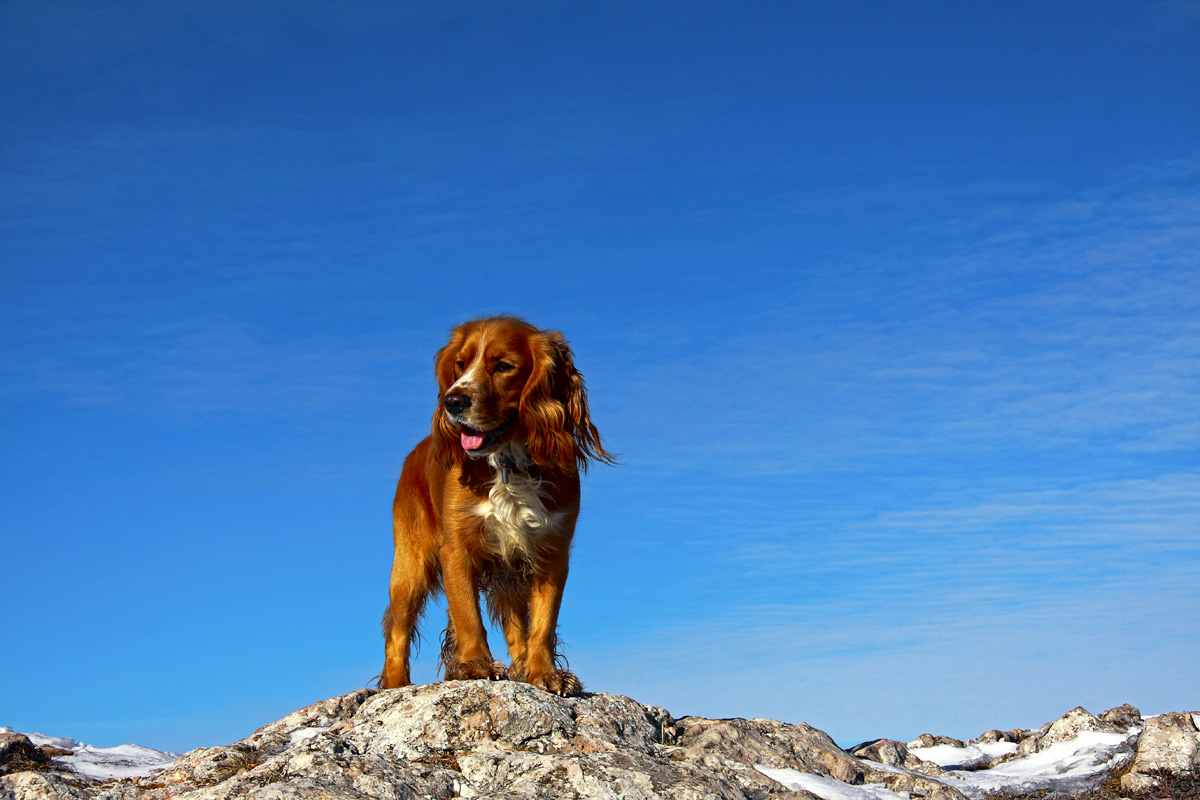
{"x": 471, "y": 441}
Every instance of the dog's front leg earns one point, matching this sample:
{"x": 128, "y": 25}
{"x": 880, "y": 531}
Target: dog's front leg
{"x": 468, "y": 656}
{"x": 545, "y": 599}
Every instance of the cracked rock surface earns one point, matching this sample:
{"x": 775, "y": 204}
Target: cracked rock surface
{"x": 489, "y": 740}
{"x": 511, "y": 740}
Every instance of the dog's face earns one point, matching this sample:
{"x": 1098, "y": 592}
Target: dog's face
{"x": 500, "y": 379}
{"x": 483, "y": 373}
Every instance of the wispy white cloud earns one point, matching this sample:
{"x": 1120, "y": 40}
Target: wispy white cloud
{"x": 1075, "y": 324}
{"x": 987, "y": 471}
{"x": 948, "y": 663}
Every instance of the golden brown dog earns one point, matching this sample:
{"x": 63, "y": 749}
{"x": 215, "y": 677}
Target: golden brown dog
{"x": 487, "y": 503}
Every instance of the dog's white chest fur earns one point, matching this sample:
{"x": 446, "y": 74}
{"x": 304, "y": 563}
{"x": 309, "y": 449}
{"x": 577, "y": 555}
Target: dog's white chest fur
{"x": 514, "y": 513}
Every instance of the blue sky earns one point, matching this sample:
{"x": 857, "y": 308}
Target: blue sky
{"x": 891, "y": 310}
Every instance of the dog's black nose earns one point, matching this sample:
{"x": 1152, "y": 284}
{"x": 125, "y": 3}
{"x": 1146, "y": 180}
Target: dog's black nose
{"x": 456, "y": 403}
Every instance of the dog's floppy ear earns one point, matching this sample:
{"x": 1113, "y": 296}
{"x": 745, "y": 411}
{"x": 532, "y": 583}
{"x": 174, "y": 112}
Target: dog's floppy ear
{"x": 554, "y": 408}
{"x": 446, "y": 444}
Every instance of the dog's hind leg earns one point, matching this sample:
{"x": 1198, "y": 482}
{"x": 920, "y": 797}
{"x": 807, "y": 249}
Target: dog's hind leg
{"x": 414, "y": 578}
{"x": 410, "y": 588}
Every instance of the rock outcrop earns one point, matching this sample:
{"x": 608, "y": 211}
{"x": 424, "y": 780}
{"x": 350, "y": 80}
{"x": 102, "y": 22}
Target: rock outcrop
{"x": 495, "y": 740}
{"x": 1074, "y": 753}
{"x": 1169, "y": 743}
{"x": 895, "y": 754}
{"x": 18, "y": 754}
{"x": 510, "y": 740}
{"x": 1069, "y": 726}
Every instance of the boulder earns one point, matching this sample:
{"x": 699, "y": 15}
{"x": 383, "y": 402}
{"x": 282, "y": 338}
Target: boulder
{"x": 17, "y": 753}
{"x": 1124, "y": 717}
{"x": 1169, "y": 743}
{"x": 993, "y": 736}
{"x": 929, "y": 740}
{"x": 36, "y": 785}
{"x": 1066, "y": 727}
{"x": 894, "y": 754}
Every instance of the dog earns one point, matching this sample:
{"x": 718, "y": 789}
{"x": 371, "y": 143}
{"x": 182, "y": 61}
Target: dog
{"x": 487, "y": 503}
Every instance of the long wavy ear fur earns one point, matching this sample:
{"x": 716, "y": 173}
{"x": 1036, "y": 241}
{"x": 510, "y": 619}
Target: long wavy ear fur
{"x": 554, "y": 409}
{"x": 445, "y": 438}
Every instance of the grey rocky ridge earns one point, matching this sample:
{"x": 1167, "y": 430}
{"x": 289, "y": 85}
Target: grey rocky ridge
{"x": 511, "y": 740}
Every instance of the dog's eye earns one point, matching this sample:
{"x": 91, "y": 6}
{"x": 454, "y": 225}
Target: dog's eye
{"x": 459, "y": 364}
{"x": 502, "y": 366}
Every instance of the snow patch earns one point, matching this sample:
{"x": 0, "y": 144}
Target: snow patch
{"x": 828, "y": 788}
{"x": 947, "y": 756}
{"x": 1064, "y": 765}
{"x": 104, "y": 763}
{"x": 300, "y": 734}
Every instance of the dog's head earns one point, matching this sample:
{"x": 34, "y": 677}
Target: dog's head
{"x": 500, "y": 379}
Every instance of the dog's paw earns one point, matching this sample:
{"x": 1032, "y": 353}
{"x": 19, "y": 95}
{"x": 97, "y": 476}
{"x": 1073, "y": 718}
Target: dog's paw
{"x": 559, "y": 681}
{"x": 478, "y": 669}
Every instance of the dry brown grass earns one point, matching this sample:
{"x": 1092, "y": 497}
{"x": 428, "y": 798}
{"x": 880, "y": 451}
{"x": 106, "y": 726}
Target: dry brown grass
{"x": 1171, "y": 786}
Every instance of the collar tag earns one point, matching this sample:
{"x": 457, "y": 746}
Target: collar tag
{"x": 506, "y": 463}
